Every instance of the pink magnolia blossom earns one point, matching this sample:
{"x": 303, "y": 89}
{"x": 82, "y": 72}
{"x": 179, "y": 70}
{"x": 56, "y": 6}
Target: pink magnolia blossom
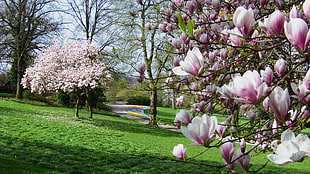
{"x": 141, "y": 69}
{"x": 267, "y": 75}
{"x": 227, "y": 151}
{"x": 201, "y": 130}
{"x": 216, "y": 3}
{"x": 176, "y": 61}
{"x": 176, "y": 43}
{"x": 65, "y": 68}
{"x": 306, "y": 8}
{"x": 307, "y": 79}
{"x": 294, "y": 13}
{"x": 290, "y": 148}
{"x": 244, "y": 20}
{"x": 279, "y": 103}
{"x": 180, "y": 101}
{"x": 179, "y": 151}
{"x": 252, "y": 116}
{"x": 274, "y": 24}
{"x": 227, "y": 91}
{"x": 182, "y": 117}
{"x": 178, "y": 2}
{"x": 193, "y": 63}
{"x": 275, "y": 127}
{"x": 266, "y": 103}
{"x": 249, "y": 87}
{"x": 221, "y": 128}
{"x": 140, "y": 1}
{"x": 148, "y": 26}
{"x": 243, "y": 160}
{"x": 297, "y": 32}
{"x": 301, "y": 91}
{"x": 242, "y": 145}
{"x": 235, "y": 37}
{"x": 280, "y": 67}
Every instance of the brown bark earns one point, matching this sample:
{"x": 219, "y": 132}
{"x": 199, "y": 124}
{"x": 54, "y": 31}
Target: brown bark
{"x": 153, "y": 107}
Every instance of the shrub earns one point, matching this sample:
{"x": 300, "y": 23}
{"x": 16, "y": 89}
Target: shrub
{"x": 139, "y": 100}
{"x": 68, "y": 100}
{"x": 34, "y": 96}
{"x": 102, "y": 106}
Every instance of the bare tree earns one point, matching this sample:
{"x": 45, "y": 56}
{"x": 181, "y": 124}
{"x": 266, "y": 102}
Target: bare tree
{"x": 141, "y": 42}
{"x": 92, "y": 17}
{"x": 24, "y": 24}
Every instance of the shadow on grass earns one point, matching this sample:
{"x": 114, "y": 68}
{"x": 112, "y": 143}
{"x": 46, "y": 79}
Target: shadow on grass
{"x": 78, "y": 160}
{"x": 131, "y": 127}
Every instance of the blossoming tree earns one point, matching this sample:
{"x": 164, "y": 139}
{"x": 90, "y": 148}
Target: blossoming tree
{"x": 71, "y": 67}
{"x": 243, "y": 56}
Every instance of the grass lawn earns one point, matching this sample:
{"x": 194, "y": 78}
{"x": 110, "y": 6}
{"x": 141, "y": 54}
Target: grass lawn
{"x": 167, "y": 115}
{"x": 42, "y": 139}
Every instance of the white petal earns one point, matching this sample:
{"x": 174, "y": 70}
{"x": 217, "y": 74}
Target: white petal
{"x": 297, "y": 156}
{"x": 303, "y": 142}
{"x": 178, "y": 71}
{"x": 287, "y": 135}
{"x": 278, "y": 159}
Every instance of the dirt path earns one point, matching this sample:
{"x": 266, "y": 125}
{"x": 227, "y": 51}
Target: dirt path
{"x": 121, "y": 110}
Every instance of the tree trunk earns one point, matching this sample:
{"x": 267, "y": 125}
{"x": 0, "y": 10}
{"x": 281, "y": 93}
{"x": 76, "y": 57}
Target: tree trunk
{"x": 19, "y": 75}
{"x": 88, "y": 103}
{"x": 235, "y": 120}
{"x": 19, "y": 87}
{"x": 153, "y": 107}
{"x": 173, "y": 100}
{"x": 77, "y": 105}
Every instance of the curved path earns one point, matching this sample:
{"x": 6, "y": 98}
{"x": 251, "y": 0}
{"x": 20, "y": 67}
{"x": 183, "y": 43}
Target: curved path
{"x": 122, "y": 111}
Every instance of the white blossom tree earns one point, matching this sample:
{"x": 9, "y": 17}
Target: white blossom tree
{"x": 71, "y": 67}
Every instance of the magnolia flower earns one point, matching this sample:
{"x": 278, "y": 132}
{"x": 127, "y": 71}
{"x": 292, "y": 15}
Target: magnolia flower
{"x": 244, "y": 20}
{"x": 193, "y": 63}
{"x": 182, "y": 117}
{"x": 266, "y": 103}
{"x": 178, "y": 2}
{"x": 227, "y": 151}
{"x": 243, "y": 160}
{"x": 307, "y": 79}
{"x": 179, "y": 151}
{"x": 227, "y": 91}
{"x": 148, "y": 26}
{"x": 301, "y": 91}
{"x": 306, "y": 8}
{"x": 201, "y": 130}
{"x": 294, "y": 12}
{"x": 290, "y": 148}
{"x": 234, "y": 37}
{"x": 216, "y": 3}
{"x": 249, "y": 87}
{"x": 273, "y": 25}
{"x": 221, "y": 128}
{"x": 252, "y": 116}
{"x": 280, "y": 67}
{"x": 180, "y": 100}
{"x": 267, "y": 75}
{"x": 279, "y": 103}
{"x": 297, "y": 32}
{"x": 141, "y": 69}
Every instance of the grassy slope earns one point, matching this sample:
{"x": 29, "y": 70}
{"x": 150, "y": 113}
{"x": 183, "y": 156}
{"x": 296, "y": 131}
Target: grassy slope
{"x": 37, "y": 139}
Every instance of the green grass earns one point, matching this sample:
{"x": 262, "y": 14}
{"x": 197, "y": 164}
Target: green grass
{"x": 41, "y": 139}
{"x": 167, "y": 115}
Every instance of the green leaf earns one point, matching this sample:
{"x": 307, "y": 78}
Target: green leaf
{"x": 181, "y": 23}
{"x": 191, "y": 25}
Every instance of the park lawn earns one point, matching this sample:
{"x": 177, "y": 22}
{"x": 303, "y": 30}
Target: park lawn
{"x": 41, "y": 139}
{"x": 167, "y": 115}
